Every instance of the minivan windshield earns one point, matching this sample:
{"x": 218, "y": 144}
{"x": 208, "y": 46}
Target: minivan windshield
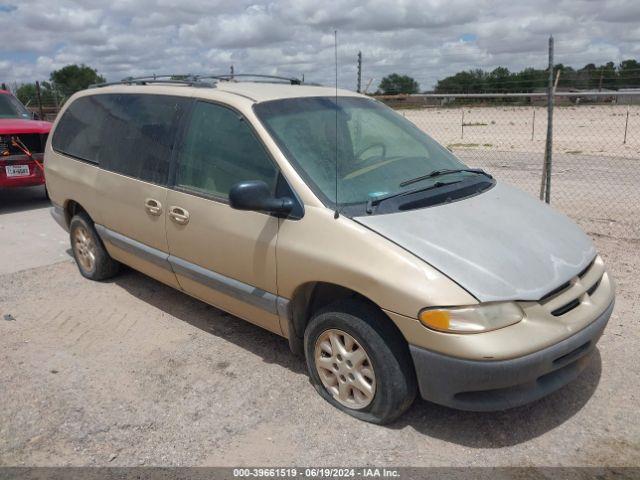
{"x": 377, "y": 149}
{"x": 10, "y": 107}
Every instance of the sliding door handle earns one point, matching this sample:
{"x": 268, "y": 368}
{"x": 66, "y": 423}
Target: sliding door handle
{"x": 153, "y": 206}
{"x": 179, "y": 215}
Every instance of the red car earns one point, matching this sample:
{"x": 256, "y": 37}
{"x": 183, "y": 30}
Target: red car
{"x": 22, "y": 141}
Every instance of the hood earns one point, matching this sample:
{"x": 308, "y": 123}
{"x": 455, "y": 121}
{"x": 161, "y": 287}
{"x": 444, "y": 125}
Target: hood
{"x": 500, "y": 245}
{"x": 11, "y": 126}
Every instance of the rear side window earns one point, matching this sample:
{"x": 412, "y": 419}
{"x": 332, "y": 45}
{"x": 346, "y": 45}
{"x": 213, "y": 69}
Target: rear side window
{"x": 220, "y": 150}
{"x": 78, "y": 131}
{"x": 129, "y": 134}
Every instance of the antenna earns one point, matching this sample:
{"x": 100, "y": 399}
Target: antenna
{"x": 335, "y": 43}
{"x": 359, "y": 85}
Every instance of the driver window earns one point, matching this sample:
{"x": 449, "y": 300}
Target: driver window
{"x": 220, "y": 150}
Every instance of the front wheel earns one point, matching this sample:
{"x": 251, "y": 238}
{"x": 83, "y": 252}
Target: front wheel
{"x": 359, "y": 362}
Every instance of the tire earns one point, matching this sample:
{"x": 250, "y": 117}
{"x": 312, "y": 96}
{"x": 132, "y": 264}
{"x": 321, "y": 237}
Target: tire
{"x": 88, "y": 250}
{"x": 393, "y": 380}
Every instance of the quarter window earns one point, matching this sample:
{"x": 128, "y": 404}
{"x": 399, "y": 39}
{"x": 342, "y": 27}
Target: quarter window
{"x": 220, "y": 150}
{"x": 129, "y": 134}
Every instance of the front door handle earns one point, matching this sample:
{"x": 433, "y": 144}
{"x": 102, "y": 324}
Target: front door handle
{"x": 153, "y": 206}
{"x": 179, "y": 215}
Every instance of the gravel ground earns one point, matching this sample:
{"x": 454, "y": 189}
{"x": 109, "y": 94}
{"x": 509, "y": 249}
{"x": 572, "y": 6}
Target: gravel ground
{"x": 131, "y": 372}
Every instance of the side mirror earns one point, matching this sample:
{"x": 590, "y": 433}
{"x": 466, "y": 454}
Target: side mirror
{"x": 255, "y": 195}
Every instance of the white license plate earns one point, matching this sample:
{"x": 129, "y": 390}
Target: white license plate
{"x": 17, "y": 170}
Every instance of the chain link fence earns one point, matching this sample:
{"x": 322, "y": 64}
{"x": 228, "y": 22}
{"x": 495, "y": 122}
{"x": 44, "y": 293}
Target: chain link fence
{"x": 595, "y": 175}
{"x": 48, "y": 106}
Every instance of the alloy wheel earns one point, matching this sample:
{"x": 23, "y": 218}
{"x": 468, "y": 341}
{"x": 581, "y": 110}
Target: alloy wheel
{"x": 84, "y": 248}
{"x": 345, "y": 369}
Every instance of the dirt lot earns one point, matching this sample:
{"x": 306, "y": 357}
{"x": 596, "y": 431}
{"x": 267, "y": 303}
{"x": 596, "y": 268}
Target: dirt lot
{"x": 596, "y": 169}
{"x": 130, "y": 372}
{"x": 585, "y": 129}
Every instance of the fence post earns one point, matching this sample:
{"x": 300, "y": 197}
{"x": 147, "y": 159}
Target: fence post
{"x": 626, "y": 125}
{"x": 545, "y": 184}
{"x": 39, "y": 100}
{"x": 462, "y": 125}
{"x": 533, "y": 123}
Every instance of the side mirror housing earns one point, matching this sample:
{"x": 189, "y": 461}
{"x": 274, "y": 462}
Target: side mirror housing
{"x": 254, "y": 195}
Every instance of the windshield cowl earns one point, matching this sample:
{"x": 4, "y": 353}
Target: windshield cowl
{"x": 444, "y": 193}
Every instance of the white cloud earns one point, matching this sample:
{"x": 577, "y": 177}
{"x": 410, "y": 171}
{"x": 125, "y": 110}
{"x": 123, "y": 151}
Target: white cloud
{"x": 294, "y": 37}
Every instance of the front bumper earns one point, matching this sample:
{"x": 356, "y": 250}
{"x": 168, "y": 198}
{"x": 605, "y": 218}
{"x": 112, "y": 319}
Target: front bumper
{"x": 35, "y": 177}
{"x": 499, "y": 385}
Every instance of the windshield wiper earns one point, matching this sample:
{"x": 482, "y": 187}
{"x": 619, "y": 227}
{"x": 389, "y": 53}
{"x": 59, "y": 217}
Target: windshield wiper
{"x": 377, "y": 200}
{"x": 438, "y": 173}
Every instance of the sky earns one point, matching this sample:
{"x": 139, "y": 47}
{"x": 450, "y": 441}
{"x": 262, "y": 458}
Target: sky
{"x": 427, "y": 39}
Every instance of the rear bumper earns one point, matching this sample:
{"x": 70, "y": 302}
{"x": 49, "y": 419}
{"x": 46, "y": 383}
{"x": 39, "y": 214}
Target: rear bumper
{"x": 57, "y": 213}
{"x": 499, "y": 385}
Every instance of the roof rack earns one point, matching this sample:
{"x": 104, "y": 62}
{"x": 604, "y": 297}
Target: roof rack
{"x": 231, "y": 77}
{"x": 144, "y": 80}
{"x": 195, "y": 80}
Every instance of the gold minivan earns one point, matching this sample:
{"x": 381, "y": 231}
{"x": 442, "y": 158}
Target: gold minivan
{"x": 327, "y": 218}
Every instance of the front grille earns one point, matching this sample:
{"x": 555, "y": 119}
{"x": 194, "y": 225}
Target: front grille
{"x": 593, "y": 288}
{"x": 570, "y": 295}
{"x": 566, "y": 308}
{"x": 588, "y": 267}
{"x": 555, "y": 291}
{"x": 33, "y": 141}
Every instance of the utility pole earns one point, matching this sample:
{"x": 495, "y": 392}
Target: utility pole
{"x": 359, "y": 87}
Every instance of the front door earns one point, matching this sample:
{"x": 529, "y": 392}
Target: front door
{"x": 223, "y": 256}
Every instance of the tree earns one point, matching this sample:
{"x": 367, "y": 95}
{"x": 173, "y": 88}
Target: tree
{"x": 498, "y": 80}
{"x": 394, "y": 84}
{"x": 73, "y": 78}
{"x": 26, "y": 93}
{"x": 472, "y": 81}
{"x": 628, "y": 74}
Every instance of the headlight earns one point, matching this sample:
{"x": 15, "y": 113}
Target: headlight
{"x": 472, "y": 319}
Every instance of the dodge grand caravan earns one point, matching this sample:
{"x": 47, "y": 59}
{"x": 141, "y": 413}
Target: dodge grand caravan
{"x": 332, "y": 221}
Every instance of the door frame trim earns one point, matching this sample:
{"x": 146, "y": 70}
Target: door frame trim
{"x": 234, "y": 288}
{"x": 129, "y": 245}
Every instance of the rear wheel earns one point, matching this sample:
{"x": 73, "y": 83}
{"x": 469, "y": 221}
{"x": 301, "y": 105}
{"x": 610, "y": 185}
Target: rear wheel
{"x": 359, "y": 362}
{"x": 91, "y": 257}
